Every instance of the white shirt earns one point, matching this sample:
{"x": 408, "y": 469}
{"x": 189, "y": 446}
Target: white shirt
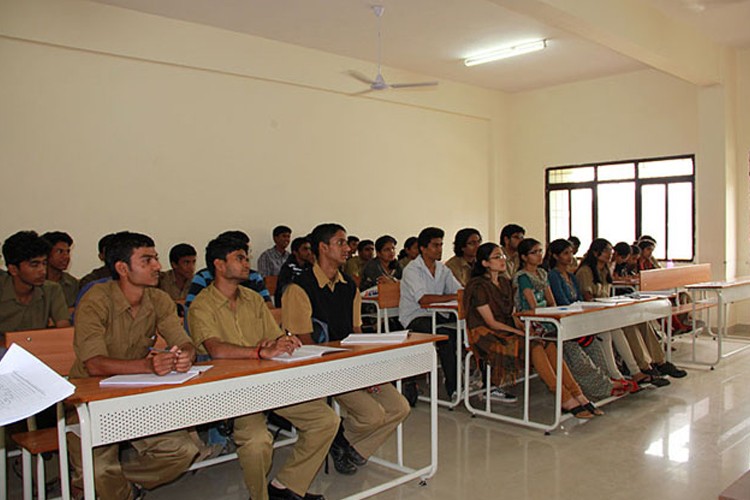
{"x": 416, "y": 282}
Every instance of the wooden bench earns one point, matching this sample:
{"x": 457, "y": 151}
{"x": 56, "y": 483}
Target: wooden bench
{"x": 54, "y": 347}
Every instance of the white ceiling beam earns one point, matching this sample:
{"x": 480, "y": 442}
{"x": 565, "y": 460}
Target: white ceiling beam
{"x": 634, "y": 29}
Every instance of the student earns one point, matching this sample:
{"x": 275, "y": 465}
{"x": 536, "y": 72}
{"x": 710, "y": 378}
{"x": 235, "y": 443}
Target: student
{"x": 203, "y": 278}
{"x": 301, "y": 258}
{"x": 231, "y": 322}
{"x": 270, "y": 261}
{"x": 532, "y": 291}
{"x": 27, "y": 300}
{"x": 595, "y": 281}
{"x": 465, "y": 246}
{"x": 384, "y": 267}
{"x": 176, "y": 281}
{"x": 323, "y": 304}
{"x": 116, "y": 325}
{"x": 409, "y": 252}
{"x": 355, "y": 265}
{"x": 591, "y": 377}
{"x": 99, "y": 272}
{"x": 58, "y": 261}
{"x": 510, "y": 236}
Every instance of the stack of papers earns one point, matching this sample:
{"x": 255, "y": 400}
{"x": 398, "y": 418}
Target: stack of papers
{"x": 28, "y": 386}
{"x": 376, "y": 338}
{"x": 148, "y": 379}
{"x": 307, "y": 352}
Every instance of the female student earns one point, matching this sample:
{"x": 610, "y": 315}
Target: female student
{"x": 593, "y": 378}
{"x": 595, "y": 281}
{"x": 532, "y": 290}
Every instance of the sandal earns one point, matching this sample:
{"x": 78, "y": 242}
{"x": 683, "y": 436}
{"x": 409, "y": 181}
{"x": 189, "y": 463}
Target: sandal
{"x": 580, "y": 412}
{"x": 592, "y": 408}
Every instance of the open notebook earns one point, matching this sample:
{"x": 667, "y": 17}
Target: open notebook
{"x": 146, "y": 379}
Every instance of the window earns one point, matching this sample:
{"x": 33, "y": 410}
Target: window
{"x": 622, "y": 200}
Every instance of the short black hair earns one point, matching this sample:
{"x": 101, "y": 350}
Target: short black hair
{"x": 462, "y": 237}
{"x": 622, "y": 249}
{"x": 428, "y": 234}
{"x": 24, "y": 246}
{"x": 220, "y": 247}
{"x": 55, "y": 237}
{"x": 281, "y": 230}
{"x": 383, "y": 240}
{"x": 509, "y": 230}
{"x": 181, "y": 250}
{"x": 363, "y": 243}
{"x": 298, "y": 242}
{"x": 351, "y": 238}
{"x": 237, "y": 235}
{"x": 103, "y": 242}
{"x": 120, "y": 247}
{"x": 322, "y": 233}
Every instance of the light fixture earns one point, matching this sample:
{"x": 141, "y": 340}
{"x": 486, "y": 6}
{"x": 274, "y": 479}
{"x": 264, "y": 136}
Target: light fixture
{"x": 504, "y": 53}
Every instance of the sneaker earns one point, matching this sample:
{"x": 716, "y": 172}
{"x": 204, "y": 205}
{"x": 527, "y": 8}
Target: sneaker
{"x": 668, "y": 368}
{"x": 497, "y": 394}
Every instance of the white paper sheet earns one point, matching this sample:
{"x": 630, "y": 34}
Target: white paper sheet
{"x": 147, "y": 379}
{"x": 28, "y": 386}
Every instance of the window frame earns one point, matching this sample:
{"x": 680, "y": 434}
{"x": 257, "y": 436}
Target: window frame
{"x": 639, "y": 183}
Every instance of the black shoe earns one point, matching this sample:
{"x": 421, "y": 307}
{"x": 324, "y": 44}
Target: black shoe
{"x": 668, "y": 368}
{"x": 341, "y": 461}
{"x": 275, "y": 493}
{"x": 355, "y": 457}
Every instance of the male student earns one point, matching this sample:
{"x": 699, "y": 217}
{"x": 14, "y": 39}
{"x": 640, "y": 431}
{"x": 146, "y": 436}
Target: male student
{"x": 99, "y": 272}
{"x": 270, "y": 261}
{"x": 27, "y": 300}
{"x": 302, "y": 257}
{"x": 510, "y": 236}
{"x": 58, "y": 261}
{"x": 465, "y": 247}
{"x": 427, "y": 281}
{"x": 323, "y": 304}
{"x": 230, "y": 321}
{"x": 116, "y": 325}
{"x": 176, "y": 281}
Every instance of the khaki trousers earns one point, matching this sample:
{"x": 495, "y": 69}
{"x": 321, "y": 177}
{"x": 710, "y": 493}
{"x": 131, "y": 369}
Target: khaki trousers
{"x": 372, "y": 416}
{"x": 316, "y": 424}
{"x": 161, "y": 459}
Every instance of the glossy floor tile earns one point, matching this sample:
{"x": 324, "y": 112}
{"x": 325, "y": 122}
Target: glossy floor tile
{"x": 689, "y": 440}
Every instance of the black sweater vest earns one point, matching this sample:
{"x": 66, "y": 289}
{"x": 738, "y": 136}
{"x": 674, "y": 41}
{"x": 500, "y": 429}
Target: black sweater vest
{"x": 334, "y": 308}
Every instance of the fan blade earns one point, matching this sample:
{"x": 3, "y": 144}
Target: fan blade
{"x": 359, "y": 76}
{"x": 408, "y": 85}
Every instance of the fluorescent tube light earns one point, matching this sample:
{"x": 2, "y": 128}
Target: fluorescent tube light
{"x": 496, "y": 55}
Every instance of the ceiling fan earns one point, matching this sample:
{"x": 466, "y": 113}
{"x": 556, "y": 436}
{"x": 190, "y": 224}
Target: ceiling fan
{"x": 379, "y": 82}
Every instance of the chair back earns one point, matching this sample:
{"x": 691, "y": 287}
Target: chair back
{"x": 54, "y": 346}
{"x": 271, "y": 282}
{"x": 389, "y": 294}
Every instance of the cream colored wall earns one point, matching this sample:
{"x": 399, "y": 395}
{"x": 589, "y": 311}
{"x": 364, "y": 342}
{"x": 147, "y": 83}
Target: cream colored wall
{"x": 635, "y": 115}
{"x": 120, "y": 120}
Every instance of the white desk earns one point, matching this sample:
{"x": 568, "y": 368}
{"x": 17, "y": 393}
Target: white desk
{"x": 234, "y": 388}
{"x": 726, "y": 292}
{"x": 572, "y": 325}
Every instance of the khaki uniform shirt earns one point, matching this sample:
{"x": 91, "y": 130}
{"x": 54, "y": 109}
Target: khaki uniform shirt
{"x": 70, "y": 288}
{"x": 586, "y": 283}
{"x": 105, "y": 327}
{"x": 47, "y": 302}
{"x": 460, "y": 268}
{"x": 251, "y": 322}
{"x": 296, "y": 315}
{"x": 168, "y": 283}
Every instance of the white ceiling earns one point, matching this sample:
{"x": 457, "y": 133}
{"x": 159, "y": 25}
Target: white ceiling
{"x": 433, "y": 36}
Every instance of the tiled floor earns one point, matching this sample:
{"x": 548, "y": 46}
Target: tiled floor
{"x": 686, "y": 441}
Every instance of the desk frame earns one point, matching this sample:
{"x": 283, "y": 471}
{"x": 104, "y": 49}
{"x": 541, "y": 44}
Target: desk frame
{"x": 571, "y": 326}
{"x": 132, "y": 416}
